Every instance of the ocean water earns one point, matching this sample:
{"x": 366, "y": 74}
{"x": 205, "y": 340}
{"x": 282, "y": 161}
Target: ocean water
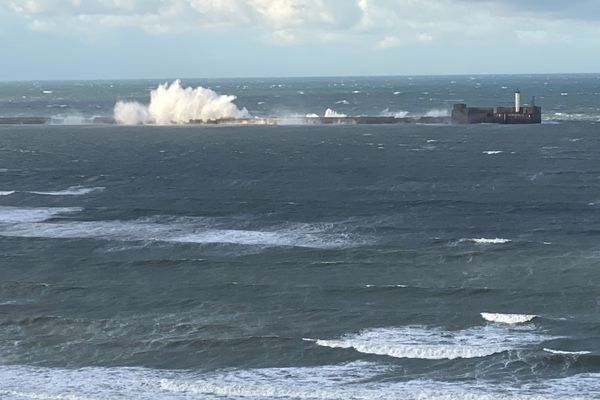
{"x": 302, "y": 262}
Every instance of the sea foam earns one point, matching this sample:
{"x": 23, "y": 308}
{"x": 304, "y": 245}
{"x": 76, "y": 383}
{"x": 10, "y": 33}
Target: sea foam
{"x": 20, "y": 215}
{"x": 486, "y": 241}
{"x": 357, "y": 380}
{"x": 70, "y": 191}
{"x": 433, "y": 343}
{"x": 27, "y": 222}
{"x": 569, "y": 353}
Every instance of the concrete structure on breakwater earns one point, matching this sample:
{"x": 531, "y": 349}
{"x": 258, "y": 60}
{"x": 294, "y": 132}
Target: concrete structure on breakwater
{"x": 531, "y": 114}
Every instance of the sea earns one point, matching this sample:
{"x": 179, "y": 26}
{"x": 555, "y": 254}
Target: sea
{"x": 405, "y": 261}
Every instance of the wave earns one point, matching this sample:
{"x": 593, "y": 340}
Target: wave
{"x": 356, "y": 380}
{"x": 71, "y": 191}
{"x": 492, "y": 152}
{"x": 563, "y": 352}
{"x": 486, "y": 241}
{"x": 329, "y": 113}
{"x": 20, "y": 215}
{"x": 507, "y": 318}
{"x": 435, "y": 344}
{"x": 30, "y": 223}
{"x": 438, "y": 113}
{"x": 173, "y": 104}
{"x": 563, "y": 116}
{"x": 6, "y": 192}
{"x": 395, "y": 114}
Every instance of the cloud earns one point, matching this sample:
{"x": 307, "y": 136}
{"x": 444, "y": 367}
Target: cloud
{"x": 389, "y": 42}
{"x": 425, "y": 37}
{"x": 535, "y": 36}
{"x": 290, "y": 22}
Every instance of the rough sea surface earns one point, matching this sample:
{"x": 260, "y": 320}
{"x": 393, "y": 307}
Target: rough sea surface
{"x": 302, "y": 262}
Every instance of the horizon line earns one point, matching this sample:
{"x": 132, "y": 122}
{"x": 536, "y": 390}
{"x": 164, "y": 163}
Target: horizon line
{"x": 297, "y": 77}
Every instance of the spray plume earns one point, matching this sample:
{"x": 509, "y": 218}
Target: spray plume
{"x": 173, "y": 104}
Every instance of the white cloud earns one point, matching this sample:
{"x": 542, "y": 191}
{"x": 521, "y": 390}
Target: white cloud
{"x": 389, "y": 42}
{"x": 398, "y": 22}
{"x": 424, "y": 37}
{"x": 536, "y": 36}
{"x": 39, "y": 26}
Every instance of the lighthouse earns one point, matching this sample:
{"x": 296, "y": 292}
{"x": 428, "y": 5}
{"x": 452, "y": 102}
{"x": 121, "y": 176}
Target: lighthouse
{"x": 517, "y": 101}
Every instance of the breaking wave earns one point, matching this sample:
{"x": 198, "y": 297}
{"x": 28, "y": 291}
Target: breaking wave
{"x": 395, "y": 114}
{"x": 508, "y": 318}
{"x": 486, "y": 241}
{"x": 19, "y": 215}
{"x": 435, "y": 344}
{"x": 562, "y": 116}
{"x": 568, "y": 353}
{"x": 437, "y": 113}
{"x": 173, "y": 104}
{"x": 71, "y": 191}
{"x": 356, "y": 380}
{"x": 24, "y": 222}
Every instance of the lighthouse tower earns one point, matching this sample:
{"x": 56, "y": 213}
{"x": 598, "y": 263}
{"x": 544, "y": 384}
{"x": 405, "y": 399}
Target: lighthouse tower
{"x": 517, "y": 101}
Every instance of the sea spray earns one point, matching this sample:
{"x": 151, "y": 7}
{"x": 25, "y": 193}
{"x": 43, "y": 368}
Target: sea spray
{"x": 329, "y": 113}
{"x": 173, "y": 104}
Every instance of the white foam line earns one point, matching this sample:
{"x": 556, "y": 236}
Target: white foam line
{"x": 507, "y": 318}
{"x": 563, "y": 352}
{"x": 355, "y": 380}
{"x": 433, "y": 343}
{"x": 19, "y": 215}
{"x": 71, "y": 191}
{"x": 486, "y": 241}
{"x": 29, "y": 223}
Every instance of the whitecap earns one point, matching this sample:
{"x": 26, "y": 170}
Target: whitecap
{"x": 492, "y": 152}
{"x": 563, "y": 352}
{"x": 70, "y": 191}
{"x": 18, "y": 215}
{"x": 486, "y": 241}
{"x": 355, "y": 380}
{"x": 507, "y": 318}
{"x": 420, "y": 342}
{"x": 29, "y": 223}
{"x": 6, "y": 192}
{"x": 342, "y": 102}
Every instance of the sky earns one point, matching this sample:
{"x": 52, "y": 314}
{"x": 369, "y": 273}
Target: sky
{"x": 110, "y": 39}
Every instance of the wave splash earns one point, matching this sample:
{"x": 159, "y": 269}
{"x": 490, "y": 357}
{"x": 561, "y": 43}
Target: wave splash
{"x": 174, "y": 104}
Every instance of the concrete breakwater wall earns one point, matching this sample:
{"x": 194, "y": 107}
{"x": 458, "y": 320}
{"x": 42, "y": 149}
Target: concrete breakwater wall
{"x": 359, "y": 120}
